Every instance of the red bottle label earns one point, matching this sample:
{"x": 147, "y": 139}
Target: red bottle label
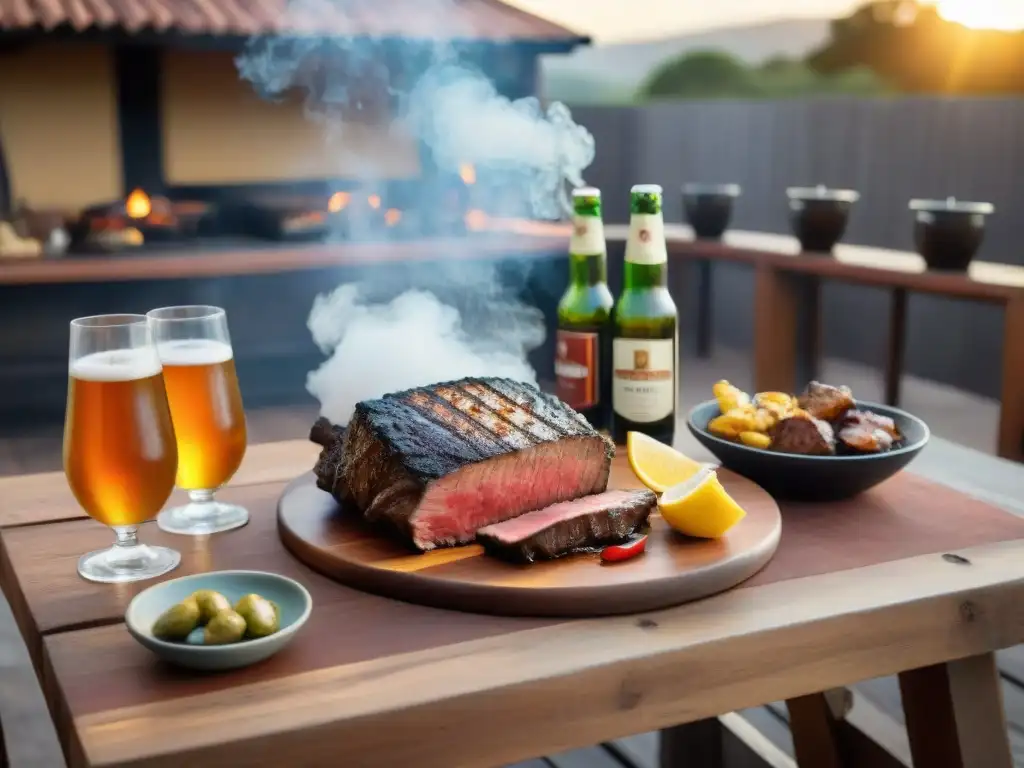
{"x": 576, "y": 367}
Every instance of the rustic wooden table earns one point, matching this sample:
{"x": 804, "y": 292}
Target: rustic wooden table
{"x": 883, "y": 585}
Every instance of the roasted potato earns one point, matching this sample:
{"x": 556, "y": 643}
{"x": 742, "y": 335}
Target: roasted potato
{"x": 755, "y": 440}
{"x": 729, "y": 396}
{"x": 731, "y": 423}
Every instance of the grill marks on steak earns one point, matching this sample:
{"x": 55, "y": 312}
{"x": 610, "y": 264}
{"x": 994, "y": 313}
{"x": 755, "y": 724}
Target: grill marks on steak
{"x": 437, "y": 463}
{"x": 580, "y": 525}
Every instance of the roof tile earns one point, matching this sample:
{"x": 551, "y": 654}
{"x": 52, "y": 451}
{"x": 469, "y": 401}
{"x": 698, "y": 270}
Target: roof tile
{"x": 418, "y": 19}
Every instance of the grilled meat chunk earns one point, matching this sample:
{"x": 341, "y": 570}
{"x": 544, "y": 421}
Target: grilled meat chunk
{"x": 435, "y": 464}
{"x": 581, "y": 525}
{"x": 826, "y": 402}
{"x": 867, "y": 432}
{"x": 804, "y": 434}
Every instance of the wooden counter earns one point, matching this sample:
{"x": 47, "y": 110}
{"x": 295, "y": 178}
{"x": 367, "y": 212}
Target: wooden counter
{"x": 270, "y": 258}
{"x": 787, "y": 296}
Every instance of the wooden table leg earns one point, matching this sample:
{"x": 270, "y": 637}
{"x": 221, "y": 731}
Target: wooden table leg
{"x": 815, "y": 732}
{"x": 897, "y": 344}
{"x": 693, "y": 744}
{"x": 955, "y": 716}
{"x": 809, "y": 330}
{"x": 775, "y": 330}
{"x": 705, "y": 308}
{"x": 787, "y": 329}
{"x": 1011, "y": 412}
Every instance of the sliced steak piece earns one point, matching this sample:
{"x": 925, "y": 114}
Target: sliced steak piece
{"x": 805, "y": 435}
{"x": 867, "y": 432}
{"x": 435, "y": 464}
{"x": 825, "y": 402}
{"x": 581, "y": 525}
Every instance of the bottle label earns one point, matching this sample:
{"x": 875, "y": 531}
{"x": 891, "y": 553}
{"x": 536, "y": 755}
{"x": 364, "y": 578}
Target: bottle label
{"x": 646, "y": 243}
{"x": 587, "y": 236}
{"x": 643, "y": 379}
{"x": 576, "y": 369}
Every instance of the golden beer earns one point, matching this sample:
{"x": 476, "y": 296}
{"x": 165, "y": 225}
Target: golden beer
{"x": 120, "y": 455}
{"x": 206, "y": 407}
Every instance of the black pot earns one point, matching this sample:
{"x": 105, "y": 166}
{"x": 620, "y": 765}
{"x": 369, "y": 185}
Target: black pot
{"x": 948, "y": 233}
{"x": 708, "y": 208}
{"x": 819, "y": 215}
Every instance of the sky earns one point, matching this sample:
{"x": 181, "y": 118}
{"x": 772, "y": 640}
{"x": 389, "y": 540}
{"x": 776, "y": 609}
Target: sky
{"x": 619, "y": 20}
{"x": 616, "y": 20}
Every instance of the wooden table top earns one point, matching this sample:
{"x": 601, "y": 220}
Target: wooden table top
{"x": 824, "y": 613}
{"x": 270, "y": 259}
{"x": 882, "y": 267}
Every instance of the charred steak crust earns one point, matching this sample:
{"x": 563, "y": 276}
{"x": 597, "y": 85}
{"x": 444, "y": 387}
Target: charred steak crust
{"x": 583, "y": 525}
{"x": 433, "y": 464}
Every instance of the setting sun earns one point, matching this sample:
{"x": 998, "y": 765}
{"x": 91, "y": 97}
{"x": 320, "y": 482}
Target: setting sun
{"x": 984, "y": 14}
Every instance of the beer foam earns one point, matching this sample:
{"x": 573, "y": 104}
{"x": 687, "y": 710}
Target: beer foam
{"x": 194, "y": 352}
{"x": 117, "y": 365}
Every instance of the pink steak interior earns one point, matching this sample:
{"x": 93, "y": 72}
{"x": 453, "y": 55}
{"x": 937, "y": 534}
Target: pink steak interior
{"x": 455, "y": 507}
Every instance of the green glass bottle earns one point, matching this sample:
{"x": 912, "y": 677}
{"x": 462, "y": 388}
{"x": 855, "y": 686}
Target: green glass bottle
{"x": 645, "y": 345}
{"x": 583, "y": 346}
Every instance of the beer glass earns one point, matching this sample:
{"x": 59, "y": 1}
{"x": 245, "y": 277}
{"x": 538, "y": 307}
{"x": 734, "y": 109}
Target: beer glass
{"x": 120, "y": 456}
{"x": 206, "y": 408}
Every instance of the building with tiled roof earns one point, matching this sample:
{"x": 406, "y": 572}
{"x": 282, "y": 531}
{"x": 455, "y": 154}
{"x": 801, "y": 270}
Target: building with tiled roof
{"x": 98, "y": 97}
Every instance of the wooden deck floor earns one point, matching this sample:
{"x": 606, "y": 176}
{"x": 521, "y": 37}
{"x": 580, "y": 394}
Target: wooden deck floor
{"x": 956, "y": 416}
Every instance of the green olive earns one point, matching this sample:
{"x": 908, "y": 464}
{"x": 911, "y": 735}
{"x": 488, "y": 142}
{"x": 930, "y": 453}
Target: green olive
{"x": 226, "y": 627}
{"x": 261, "y": 617}
{"x": 177, "y": 621}
{"x": 210, "y": 604}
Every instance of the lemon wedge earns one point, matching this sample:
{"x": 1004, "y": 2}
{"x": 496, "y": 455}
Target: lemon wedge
{"x": 656, "y": 465}
{"x": 700, "y": 506}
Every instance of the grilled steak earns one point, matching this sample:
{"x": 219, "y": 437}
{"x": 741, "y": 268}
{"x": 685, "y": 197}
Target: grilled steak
{"x": 435, "y": 464}
{"x": 825, "y": 402}
{"x": 580, "y": 525}
{"x": 866, "y": 432}
{"x": 804, "y": 434}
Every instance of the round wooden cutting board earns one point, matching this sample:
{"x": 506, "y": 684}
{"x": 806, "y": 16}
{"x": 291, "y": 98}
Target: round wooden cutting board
{"x": 675, "y": 569}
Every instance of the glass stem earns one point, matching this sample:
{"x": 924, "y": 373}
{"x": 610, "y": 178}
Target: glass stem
{"x": 200, "y": 497}
{"x": 127, "y": 536}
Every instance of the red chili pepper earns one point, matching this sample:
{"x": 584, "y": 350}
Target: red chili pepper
{"x": 624, "y": 551}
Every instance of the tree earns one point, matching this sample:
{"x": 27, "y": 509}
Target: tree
{"x": 910, "y": 46}
{"x": 711, "y": 74}
{"x": 702, "y": 74}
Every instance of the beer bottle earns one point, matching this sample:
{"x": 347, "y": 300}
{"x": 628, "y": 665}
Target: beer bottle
{"x": 645, "y": 328}
{"x": 583, "y": 348}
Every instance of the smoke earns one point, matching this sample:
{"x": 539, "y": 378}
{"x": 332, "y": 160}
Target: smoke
{"x": 409, "y": 341}
{"x": 382, "y": 338}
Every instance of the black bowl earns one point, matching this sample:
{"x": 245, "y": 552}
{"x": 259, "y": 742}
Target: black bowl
{"x": 818, "y": 216}
{"x": 708, "y": 208}
{"x": 812, "y": 478}
{"x": 948, "y": 233}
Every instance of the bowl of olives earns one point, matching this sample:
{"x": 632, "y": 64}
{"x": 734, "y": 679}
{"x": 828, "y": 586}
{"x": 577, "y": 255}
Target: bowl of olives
{"x": 219, "y": 620}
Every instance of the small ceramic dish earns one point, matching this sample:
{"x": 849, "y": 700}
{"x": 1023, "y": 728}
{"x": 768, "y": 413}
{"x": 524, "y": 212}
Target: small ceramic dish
{"x": 292, "y": 599}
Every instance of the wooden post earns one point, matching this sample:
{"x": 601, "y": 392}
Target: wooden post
{"x": 897, "y": 345}
{"x": 705, "y": 307}
{"x": 1011, "y": 413}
